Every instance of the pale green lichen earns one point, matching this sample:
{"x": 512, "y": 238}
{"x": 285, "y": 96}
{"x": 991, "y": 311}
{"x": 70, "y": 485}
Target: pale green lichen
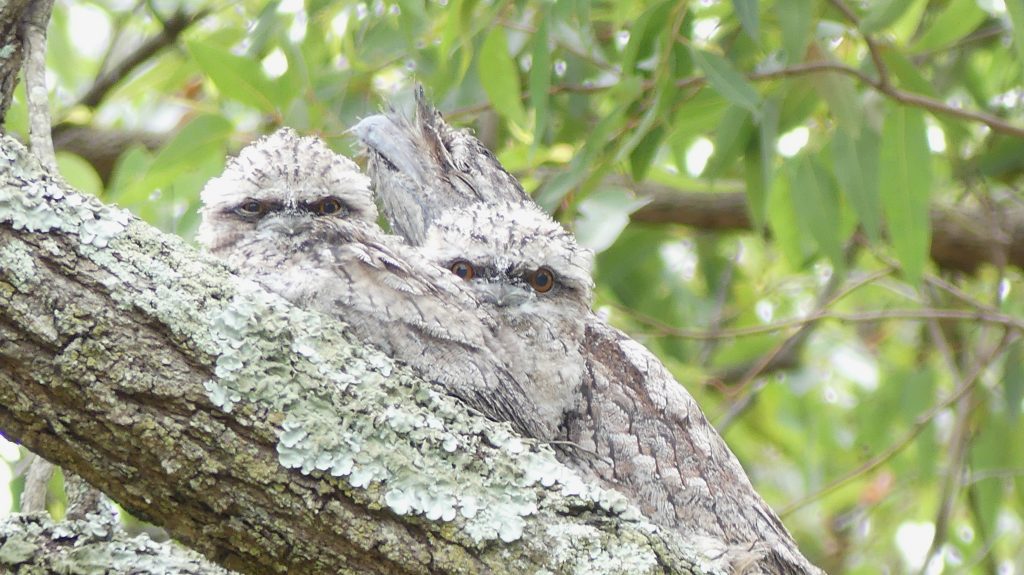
{"x": 30, "y": 200}
{"x": 378, "y": 426}
{"x": 571, "y": 541}
{"x": 19, "y": 264}
{"x": 346, "y": 409}
{"x": 35, "y": 544}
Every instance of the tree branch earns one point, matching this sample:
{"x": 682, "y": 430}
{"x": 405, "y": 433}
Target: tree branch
{"x": 962, "y": 240}
{"x": 172, "y": 29}
{"x": 260, "y": 434}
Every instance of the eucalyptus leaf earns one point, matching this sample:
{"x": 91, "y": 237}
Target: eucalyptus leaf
{"x": 905, "y": 186}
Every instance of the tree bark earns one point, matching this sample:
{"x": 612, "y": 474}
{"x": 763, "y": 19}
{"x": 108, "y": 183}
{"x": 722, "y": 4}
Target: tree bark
{"x": 962, "y": 240}
{"x": 12, "y": 51}
{"x": 31, "y": 544}
{"x": 262, "y": 435}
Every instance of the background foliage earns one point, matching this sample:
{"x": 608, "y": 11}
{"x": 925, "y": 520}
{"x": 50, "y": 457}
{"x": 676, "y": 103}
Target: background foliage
{"x": 872, "y": 392}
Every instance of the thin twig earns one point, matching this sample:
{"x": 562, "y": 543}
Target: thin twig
{"x": 810, "y": 68}
{"x": 173, "y": 27}
{"x": 920, "y": 423}
{"x": 950, "y": 486}
{"x": 746, "y": 392}
{"x": 923, "y": 314}
{"x": 882, "y": 85}
{"x": 873, "y": 49}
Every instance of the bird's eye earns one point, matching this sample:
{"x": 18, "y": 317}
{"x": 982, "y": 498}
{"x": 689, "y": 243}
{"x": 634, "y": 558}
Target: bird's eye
{"x": 252, "y": 208}
{"x": 328, "y": 206}
{"x": 463, "y": 269}
{"x": 542, "y": 280}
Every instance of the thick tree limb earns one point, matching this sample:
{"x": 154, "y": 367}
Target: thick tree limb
{"x": 259, "y": 434}
{"x": 961, "y": 240}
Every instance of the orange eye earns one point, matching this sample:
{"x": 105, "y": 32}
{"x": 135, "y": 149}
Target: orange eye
{"x": 463, "y": 269}
{"x": 328, "y": 206}
{"x": 542, "y": 280}
{"x": 251, "y": 208}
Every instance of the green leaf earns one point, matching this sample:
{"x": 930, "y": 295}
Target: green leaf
{"x": 787, "y": 229}
{"x": 841, "y": 94}
{"x": 883, "y": 13}
{"x": 731, "y": 140}
{"x": 203, "y": 137}
{"x": 643, "y": 35}
{"x": 816, "y": 203}
{"x": 1013, "y": 379}
{"x": 701, "y": 114}
{"x": 540, "y": 76}
{"x": 268, "y": 22}
{"x": 759, "y": 163}
{"x": 1015, "y": 8}
{"x": 796, "y": 20}
{"x": 236, "y": 77}
{"x": 79, "y": 173}
{"x": 904, "y": 184}
{"x": 583, "y": 162}
{"x": 908, "y": 75}
{"x": 1003, "y": 157}
{"x": 603, "y": 215}
{"x": 643, "y": 154}
{"x": 727, "y": 81}
{"x": 856, "y": 165}
{"x": 500, "y": 77}
{"x": 991, "y": 449}
{"x": 129, "y": 170}
{"x": 747, "y": 11}
{"x": 957, "y": 19}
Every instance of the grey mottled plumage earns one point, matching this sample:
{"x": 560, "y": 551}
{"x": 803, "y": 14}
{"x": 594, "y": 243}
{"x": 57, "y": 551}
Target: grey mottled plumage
{"x": 650, "y": 437}
{"x": 407, "y": 184}
{"x": 301, "y": 221}
{"x": 534, "y": 280}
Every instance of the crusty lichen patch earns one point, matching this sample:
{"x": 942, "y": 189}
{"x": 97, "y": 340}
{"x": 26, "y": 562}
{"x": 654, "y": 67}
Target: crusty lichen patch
{"x": 374, "y": 423}
{"x": 41, "y": 205}
{"x": 36, "y": 544}
{"x": 345, "y": 410}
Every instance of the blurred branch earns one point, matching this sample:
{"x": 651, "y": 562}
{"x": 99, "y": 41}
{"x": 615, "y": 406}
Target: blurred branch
{"x": 173, "y": 26}
{"x": 941, "y": 336}
{"x": 102, "y": 147}
{"x": 786, "y": 353}
{"x": 922, "y": 421}
{"x": 962, "y": 240}
{"x": 924, "y": 314}
{"x": 881, "y": 85}
{"x": 873, "y": 49}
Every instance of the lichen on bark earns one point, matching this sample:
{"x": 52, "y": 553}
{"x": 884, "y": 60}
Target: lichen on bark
{"x": 261, "y": 434}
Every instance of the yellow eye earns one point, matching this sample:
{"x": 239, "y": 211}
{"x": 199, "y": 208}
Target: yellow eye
{"x": 251, "y": 208}
{"x": 542, "y": 280}
{"x": 328, "y": 206}
{"x": 463, "y": 269}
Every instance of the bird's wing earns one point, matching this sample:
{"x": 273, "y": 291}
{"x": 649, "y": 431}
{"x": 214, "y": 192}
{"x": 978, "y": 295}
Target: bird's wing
{"x": 651, "y": 439}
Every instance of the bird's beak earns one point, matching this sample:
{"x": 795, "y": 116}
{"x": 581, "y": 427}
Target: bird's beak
{"x": 504, "y": 295}
{"x": 290, "y": 223}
